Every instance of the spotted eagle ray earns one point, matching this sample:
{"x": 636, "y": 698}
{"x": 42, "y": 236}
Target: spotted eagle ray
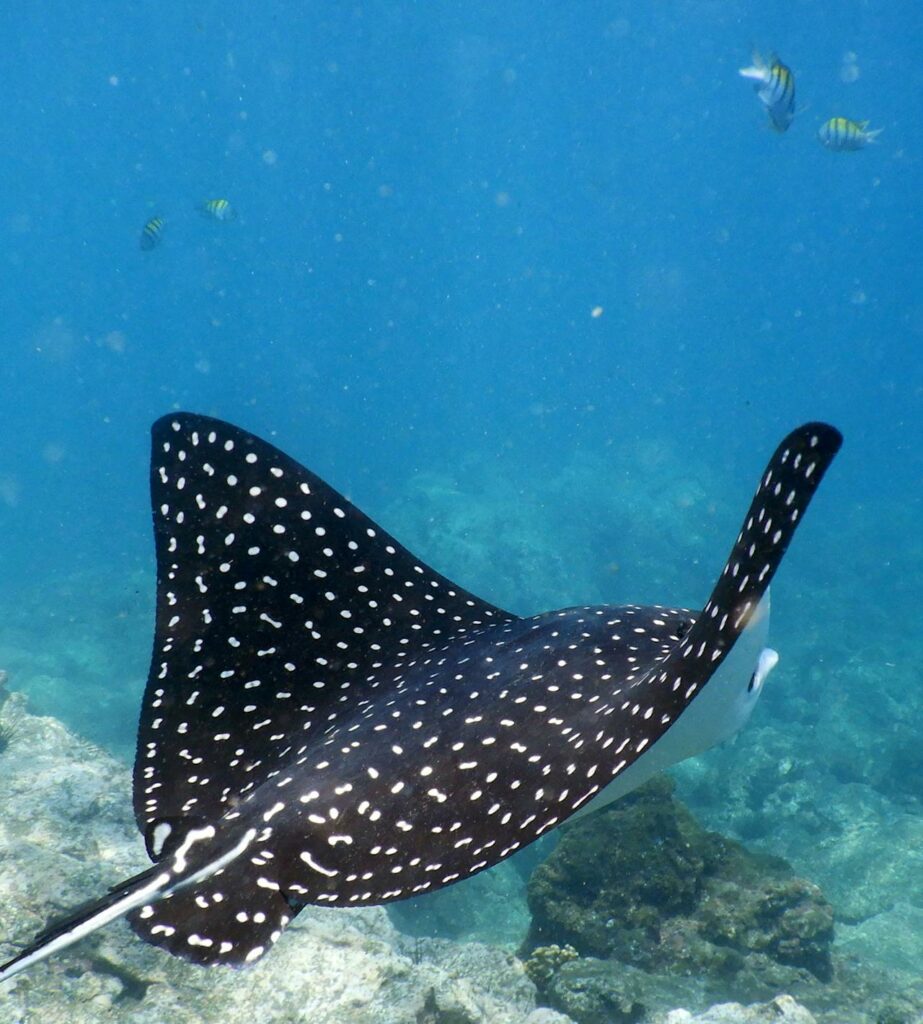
{"x": 327, "y": 720}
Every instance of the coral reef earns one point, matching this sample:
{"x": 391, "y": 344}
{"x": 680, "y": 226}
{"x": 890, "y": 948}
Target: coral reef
{"x": 545, "y": 961}
{"x": 592, "y": 993}
{"x": 596, "y": 991}
{"x": 6, "y": 727}
{"x": 10, "y": 716}
{"x": 660, "y": 893}
{"x": 65, "y": 815}
{"x": 665, "y": 914}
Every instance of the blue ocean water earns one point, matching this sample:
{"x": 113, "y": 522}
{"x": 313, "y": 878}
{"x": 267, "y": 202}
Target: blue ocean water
{"x": 533, "y": 283}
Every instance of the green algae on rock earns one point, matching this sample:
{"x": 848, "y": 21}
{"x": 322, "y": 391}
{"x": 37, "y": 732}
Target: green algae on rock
{"x": 643, "y": 883}
{"x": 589, "y": 992}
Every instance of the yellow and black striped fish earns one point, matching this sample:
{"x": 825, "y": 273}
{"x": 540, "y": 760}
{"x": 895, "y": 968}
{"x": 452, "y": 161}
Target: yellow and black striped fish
{"x": 775, "y": 89}
{"x": 217, "y": 209}
{"x": 842, "y": 133}
{"x": 151, "y": 233}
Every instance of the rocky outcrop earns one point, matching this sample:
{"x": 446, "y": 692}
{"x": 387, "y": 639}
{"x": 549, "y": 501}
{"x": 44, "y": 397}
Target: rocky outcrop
{"x": 644, "y": 884}
{"x": 781, "y": 1010}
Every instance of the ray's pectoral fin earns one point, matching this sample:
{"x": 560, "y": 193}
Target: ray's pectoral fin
{"x": 231, "y": 918}
{"x": 785, "y": 491}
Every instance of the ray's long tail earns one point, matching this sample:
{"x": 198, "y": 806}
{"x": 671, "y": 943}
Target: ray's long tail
{"x": 133, "y": 892}
{"x": 184, "y": 867}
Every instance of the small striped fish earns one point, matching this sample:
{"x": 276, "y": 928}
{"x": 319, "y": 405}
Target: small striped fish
{"x": 151, "y": 234}
{"x": 217, "y": 209}
{"x": 843, "y": 134}
{"x": 775, "y": 89}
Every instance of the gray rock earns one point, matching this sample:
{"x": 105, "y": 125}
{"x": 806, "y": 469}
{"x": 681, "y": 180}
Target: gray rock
{"x": 67, "y": 832}
{"x": 593, "y": 992}
{"x": 781, "y": 1010}
{"x": 895, "y": 936}
{"x": 644, "y": 884}
{"x": 607, "y": 992}
{"x": 546, "y": 1016}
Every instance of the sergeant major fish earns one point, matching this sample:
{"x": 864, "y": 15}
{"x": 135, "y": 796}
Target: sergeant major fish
{"x": 775, "y": 88}
{"x": 843, "y": 134}
{"x": 217, "y": 209}
{"x": 151, "y": 234}
{"x": 328, "y": 720}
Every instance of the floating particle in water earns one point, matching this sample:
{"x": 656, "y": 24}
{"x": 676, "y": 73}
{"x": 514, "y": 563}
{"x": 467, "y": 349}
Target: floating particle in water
{"x": 115, "y": 341}
{"x": 849, "y": 67}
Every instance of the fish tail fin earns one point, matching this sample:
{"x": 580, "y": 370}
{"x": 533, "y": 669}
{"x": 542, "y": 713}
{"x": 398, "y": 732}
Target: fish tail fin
{"x": 871, "y": 135}
{"x": 133, "y": 892}
{"x": 757, "y": 70}
{"x": 754, "y": 73}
